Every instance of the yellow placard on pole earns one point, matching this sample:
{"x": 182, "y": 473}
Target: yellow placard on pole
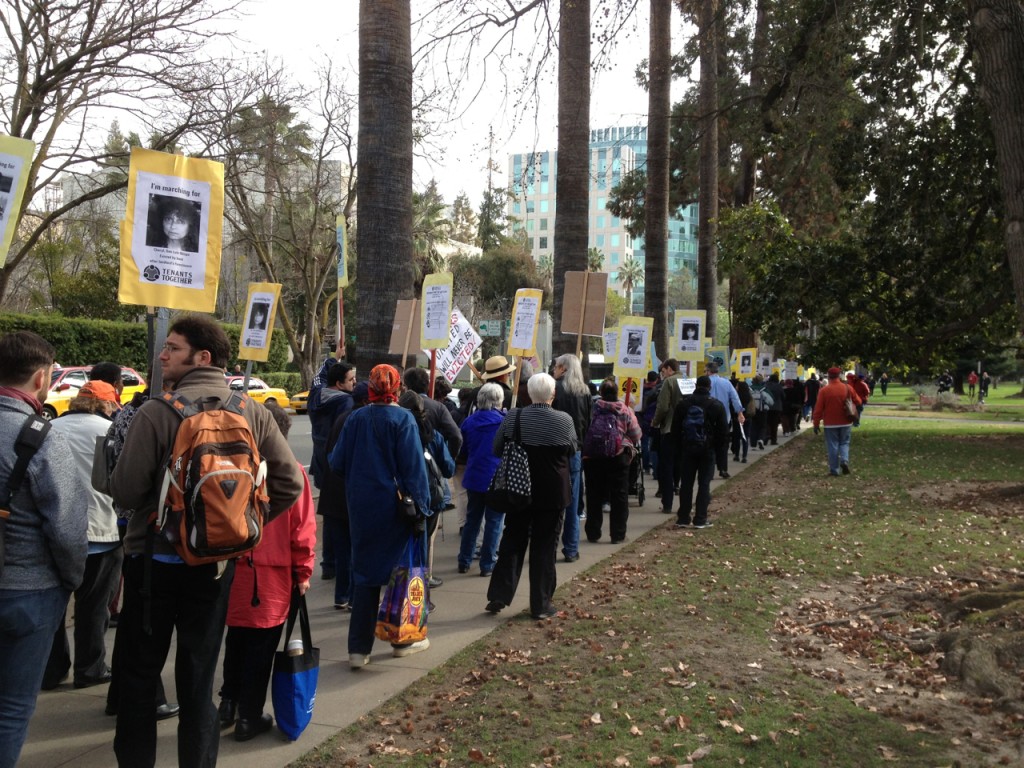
{"x": 635, "y": 395}
{"x": 522, "y": 340}
{"x": 633, "y": 348}
{"x": 15, "y": 160}
{"x": 746, "y": 363}
{"x": 689, "y": 333}
{"x": 436, "y": 310}
{"x": 260, "y": 311}
{"x": 341, "y": 229}
{"x": 171, "y": 242}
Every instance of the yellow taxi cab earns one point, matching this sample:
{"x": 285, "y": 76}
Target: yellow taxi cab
{"x": 260, "y": 392}
{"x": 65, "y": 383}
{"x": 300, "y": 402}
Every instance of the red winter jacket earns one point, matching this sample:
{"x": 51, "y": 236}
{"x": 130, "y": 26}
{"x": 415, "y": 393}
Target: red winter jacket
{"x": 829, "y": 407}
{"x": 283, "y": 558}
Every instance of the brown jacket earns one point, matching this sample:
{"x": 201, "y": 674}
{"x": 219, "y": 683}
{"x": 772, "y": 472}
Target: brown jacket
{"x": 135, "y": 483}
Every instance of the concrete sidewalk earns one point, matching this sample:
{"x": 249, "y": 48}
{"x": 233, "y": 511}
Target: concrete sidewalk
{"x": 69, "y": 727}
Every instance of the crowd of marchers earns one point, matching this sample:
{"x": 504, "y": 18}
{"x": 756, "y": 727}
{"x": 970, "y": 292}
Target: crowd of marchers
{"x": 386, "y": 448}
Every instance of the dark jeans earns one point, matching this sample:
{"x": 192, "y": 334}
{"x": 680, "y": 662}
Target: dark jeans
{"x": 328, "y": 531}
{"x": 477, "y": 513}
{"x": 536, "y": 529}
{"x": 666, "y": 471}
{"x": 191, "y": 602}
{"x": 697, "y": 464}
{"x": 337, "y": 533}
{"x": 248, "y": 663}
{"x": 607, "y": 480}
{"x": 363, "y": 621}
{"x": 27, "y": 622}
{"x": 92, "y": 613}
{"x": 774, "y": 417}
{"x": 740, "y": 441}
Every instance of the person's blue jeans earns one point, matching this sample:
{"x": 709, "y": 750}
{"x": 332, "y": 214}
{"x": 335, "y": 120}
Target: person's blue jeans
{"x": 477, "y": 511}
{"x": 571, "y": 527}
{"x": 341, "y": 541}
{"x": 837, "y": 443}
{"x": 28, "y": 620}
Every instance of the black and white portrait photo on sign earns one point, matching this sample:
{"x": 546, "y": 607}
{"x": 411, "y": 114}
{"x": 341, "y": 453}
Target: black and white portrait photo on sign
{"x": 745, "y": 362}
{"x": 6, "y": 183}
{"x": 173, "y": 223}
{"x": 258, "y": 315}
{"x": 257, "y": 320}
{"x": 632, "y": 347}
{"x": 689, "y": 329}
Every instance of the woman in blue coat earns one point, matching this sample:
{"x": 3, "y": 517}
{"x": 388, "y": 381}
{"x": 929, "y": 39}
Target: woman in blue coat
{"x": 379, "y": 455}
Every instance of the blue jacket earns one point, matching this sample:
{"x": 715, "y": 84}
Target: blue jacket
{"x": 324, "y": 406}
{"x": 724, "y": 392}
{"x": 478, "y": 431}
{"x": 379, "y": 446}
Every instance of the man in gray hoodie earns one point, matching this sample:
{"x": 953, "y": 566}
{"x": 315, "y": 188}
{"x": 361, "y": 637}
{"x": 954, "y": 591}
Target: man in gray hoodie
{"x": 45, "y": 538}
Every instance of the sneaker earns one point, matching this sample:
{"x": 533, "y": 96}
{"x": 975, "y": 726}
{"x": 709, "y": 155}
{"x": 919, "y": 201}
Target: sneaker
{"x": 495, "y": 606}
{"x": 401, "y": 651}
{"x": 682, "y": 524}
{"x": 743, "y": 460}
{"x": 724, "y": 475}
{"x": 358, "y": 660}
{"x": 606, "y": 507}
{"x": 344, "y": 605}
{"x": 845, "y": 467}
{"x": 760, "y": 445}
{"x": 548, "y": 613}
{"x": 571, "y": 558}
{"x": 435, "y": 581}
{"x": 666, "y": 511}
{"x": 463, "y": 569}
{"x": 486, "y": 573}
{"x": 702, "y": 526}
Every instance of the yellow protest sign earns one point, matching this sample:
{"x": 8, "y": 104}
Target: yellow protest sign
{"x": 746, "y": 361}
{"x": 522, "y": 341}
{"x": 341, "y": 230}
{"x": 260, "y": 311}
{"x": 15, "y": 159}
{"x": 436, "y": 310}
{"x": 633, "y": 348}
{"x": 171, "y": 240}
{"x": 689, "y": 333}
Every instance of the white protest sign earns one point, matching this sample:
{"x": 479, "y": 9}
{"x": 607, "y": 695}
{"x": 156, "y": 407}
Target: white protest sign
{"x": 462, "y": 342}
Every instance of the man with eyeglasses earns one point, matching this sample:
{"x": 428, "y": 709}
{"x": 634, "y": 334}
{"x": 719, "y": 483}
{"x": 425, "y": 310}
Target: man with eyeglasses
{"x": 190, "y": 601}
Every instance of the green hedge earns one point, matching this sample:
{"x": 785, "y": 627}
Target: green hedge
{"x": 84, "y": 342}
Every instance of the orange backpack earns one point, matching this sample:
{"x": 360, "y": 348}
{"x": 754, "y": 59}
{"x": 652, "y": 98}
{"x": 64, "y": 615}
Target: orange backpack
{"x": 213, "y": 499}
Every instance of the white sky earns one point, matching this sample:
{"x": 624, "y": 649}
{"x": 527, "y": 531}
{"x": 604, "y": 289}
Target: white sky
{"x": 310, "y": 30}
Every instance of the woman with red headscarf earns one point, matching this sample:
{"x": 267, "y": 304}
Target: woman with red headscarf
{"x": 379, "y": 455}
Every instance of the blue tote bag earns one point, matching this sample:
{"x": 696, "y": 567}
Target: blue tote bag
{"x": 293, "y": 686}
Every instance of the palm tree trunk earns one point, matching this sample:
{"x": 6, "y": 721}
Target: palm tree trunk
{"x": 707, "y": 252}
{"x": 656, "y": 208}
{"x": 572, "y": 189}
{"x": 384, "y": 183}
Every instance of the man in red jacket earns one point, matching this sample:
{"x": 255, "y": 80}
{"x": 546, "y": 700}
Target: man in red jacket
{"x": 831, "y": 409}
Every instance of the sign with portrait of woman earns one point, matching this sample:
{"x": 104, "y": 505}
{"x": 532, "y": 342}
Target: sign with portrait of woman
{"x": 15, "y": 159}
{"x": 258, "y": 321}
{"x": 632, "y": 350}
{"x": 171, "y": 241}
{"x": 689, "y": 334}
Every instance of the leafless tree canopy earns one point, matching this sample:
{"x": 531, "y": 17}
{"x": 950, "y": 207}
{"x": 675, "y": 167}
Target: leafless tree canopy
{"x": 66, "y": 68}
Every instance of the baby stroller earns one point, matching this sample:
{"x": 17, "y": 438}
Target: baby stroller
{"x": 636, "y": 478}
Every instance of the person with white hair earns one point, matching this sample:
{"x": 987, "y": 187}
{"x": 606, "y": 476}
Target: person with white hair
{"x": 478, "y": 432}
{"x": 549, "y": 438}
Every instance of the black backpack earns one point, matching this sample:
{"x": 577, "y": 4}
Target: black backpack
{"x": 695, "y": 427}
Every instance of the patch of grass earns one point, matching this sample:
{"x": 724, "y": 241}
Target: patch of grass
{"x": 666, "y": 653}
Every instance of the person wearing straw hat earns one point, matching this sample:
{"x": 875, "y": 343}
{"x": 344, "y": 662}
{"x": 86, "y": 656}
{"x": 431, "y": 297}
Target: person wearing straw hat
{"x": 497, "y": 369}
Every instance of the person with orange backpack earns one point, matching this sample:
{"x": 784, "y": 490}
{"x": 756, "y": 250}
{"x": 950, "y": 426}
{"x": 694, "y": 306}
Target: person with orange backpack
{"x": 164, "y": 594}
